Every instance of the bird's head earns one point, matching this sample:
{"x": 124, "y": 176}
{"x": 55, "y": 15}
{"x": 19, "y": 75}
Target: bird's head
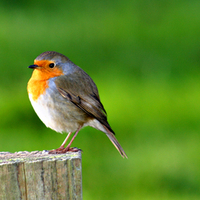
{"x": 51, "y": 64}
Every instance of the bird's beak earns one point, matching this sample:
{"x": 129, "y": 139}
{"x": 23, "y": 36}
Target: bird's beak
{"x": 33, "y": 66}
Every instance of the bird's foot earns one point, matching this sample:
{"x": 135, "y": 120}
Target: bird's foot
{"x": 74, "y": 149}
{"x": 62, "y": 150}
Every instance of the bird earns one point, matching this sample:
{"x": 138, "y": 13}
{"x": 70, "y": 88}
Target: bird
{"x": 66, "y": 99}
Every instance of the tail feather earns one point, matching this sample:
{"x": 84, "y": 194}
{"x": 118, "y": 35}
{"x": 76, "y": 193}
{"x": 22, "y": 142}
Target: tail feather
{"x": 116, "y": 144}
{"x": 109, "y": 132}
{"x": 113, "y": 139}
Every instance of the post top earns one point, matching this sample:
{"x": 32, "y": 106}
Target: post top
{"x": 34, "y": 156}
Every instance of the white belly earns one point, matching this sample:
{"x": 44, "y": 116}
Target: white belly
{"x": 56, "y": 114}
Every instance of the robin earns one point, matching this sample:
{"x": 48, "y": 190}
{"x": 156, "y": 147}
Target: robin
{"x": 66, "y": 99}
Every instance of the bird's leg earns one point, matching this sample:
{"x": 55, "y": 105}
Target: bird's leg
{"x": 62, "y": 147}
{"x": 74, "y": 149}
{"x": 63, "y": 144}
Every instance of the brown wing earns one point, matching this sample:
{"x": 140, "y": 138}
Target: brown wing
{"x": 80, "y": 89}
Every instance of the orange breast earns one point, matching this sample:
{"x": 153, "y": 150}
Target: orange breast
{"x": 38, "y": 82}
{"x": 36, "y": 87}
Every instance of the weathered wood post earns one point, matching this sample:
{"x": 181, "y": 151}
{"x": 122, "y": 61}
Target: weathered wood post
{"x": 40, "y": 176}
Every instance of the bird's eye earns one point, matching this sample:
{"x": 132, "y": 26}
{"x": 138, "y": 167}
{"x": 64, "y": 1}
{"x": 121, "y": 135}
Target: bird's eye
{"x": 51, "y": 65}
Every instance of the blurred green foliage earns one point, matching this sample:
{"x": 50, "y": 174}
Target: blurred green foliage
{"x": 145, "y": 59}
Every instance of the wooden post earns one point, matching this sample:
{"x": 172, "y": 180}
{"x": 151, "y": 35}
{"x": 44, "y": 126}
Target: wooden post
{"x": 40, "y": 176}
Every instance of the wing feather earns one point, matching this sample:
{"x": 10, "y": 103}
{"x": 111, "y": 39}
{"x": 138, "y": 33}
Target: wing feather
{"x": 80, "y": 89}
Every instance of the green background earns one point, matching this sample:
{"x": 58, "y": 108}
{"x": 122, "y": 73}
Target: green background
{"x": 144, "y": 57}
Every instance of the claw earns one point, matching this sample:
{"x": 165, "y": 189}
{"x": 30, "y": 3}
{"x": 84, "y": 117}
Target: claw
{"x": 74, "y": 149}
{"x": 62, "y": 150}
